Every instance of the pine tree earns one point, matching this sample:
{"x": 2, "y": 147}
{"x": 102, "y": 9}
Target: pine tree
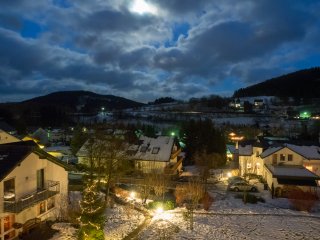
{"x": 92, "y": 216}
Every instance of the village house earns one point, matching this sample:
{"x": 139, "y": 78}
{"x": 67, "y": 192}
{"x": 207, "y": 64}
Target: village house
{"x": 157, "y": 154}
{"x": 279, "y": 163}
{"x": 149, "y": 154}
{"x": 33, "y": 187}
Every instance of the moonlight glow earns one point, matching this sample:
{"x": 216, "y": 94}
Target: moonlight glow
{"x": 142, "y": 7}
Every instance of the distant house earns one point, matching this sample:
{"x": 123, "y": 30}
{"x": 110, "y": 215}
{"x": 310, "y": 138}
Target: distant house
{"x": 157, "y": 154}
{"x": 33, "y": 187}
{"x": 5, "y": 137}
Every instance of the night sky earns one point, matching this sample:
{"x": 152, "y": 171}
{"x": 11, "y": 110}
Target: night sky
{"x": 145, "y": 49}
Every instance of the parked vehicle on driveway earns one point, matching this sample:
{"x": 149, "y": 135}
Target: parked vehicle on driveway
{"x": 242, "y": 186}
{"x": 235, "y": 179}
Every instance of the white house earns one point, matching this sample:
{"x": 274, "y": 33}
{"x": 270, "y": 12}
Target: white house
{"x": 33, "y": 187}
{"x": 160, "y": 153}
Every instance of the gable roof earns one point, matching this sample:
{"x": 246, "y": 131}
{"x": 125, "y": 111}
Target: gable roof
{"x": 270, "y": 151}
{"x": 308, "y": 152}
{"x": 12, "y": 154}
{"x": 243, "y": 150}
{"x": 154, "y": 149}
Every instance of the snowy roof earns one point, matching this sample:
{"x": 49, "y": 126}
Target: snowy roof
{"x": 270, "y": 151}
{"x": 243, "y": 150}
{"x": 291, "y": 171}
{"x": 309, "y": 152}
{"x": 155, "y": 149}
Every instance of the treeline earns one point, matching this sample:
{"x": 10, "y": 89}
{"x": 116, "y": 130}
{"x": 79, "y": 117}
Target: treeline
{"x": 203, "y": 140}
{"x": 300, "y": 84}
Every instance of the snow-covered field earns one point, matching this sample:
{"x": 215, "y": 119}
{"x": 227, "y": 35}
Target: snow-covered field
{"x": 228, "y": 218}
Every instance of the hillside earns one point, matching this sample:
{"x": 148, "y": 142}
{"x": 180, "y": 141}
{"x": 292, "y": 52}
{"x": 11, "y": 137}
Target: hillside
{"x": 57, "y": 109}
{"x": 83, "y": 101}
{"x": 300, "y": 84}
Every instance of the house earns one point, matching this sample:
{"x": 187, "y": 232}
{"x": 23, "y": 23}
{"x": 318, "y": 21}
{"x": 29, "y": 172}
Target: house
{"x": 33, "y": 187}
{"x": 5, "y": 137}
{"x": 149, "y": 154}
{"x": 160, "y": 154}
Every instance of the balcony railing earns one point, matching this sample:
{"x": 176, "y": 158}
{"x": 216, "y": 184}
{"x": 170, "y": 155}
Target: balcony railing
{"x": 52, "y": 188}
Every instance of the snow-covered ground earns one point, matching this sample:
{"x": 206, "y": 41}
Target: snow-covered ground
{"x": 227, "y": 218}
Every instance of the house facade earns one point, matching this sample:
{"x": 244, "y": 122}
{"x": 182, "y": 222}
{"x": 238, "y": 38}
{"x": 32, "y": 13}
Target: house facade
{"x": 33, "y": 187}
{"x": 285, "y": 164}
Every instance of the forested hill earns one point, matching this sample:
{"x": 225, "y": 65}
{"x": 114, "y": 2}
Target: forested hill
{"x": 300, "y": 84}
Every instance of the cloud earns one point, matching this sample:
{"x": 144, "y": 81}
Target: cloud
{"x": 188, "y": 49}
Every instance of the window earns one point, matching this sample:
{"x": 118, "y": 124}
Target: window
{"x": 248, "y": 165}
{"x": 40, "y": 179}
{"x": 257, "y": 153}
{"x": 258, "y": 165}
{"x": 50, "y": 203}
{"x": 7, "y": 222}
{"x": 274, "y": 158}
{"x": 42, "y": 207}
{"x": 143, "y": 149}
{"x": 9, "y": 190}
{"x": 290, "y": 157}
{"x": 155, "y": 150}
{"x": 282, "y": 157}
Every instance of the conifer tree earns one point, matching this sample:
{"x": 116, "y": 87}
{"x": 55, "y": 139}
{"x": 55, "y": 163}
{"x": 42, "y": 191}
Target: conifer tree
{"x": 92, "y": 216}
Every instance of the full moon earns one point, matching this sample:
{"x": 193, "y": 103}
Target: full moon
{"x": 142, "y": 7}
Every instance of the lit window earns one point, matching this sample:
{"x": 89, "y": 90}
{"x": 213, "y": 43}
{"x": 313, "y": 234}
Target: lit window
{"x": 42, "y": 207}
{"x": 248, "y": 165}
{"x": 309, "y": 168}
{"x": 290, "y": 157}
{"x": 258, "y": 165}
{"x": 282, "y": 157}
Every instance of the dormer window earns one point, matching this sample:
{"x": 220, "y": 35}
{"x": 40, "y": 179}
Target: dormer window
{"x": 143, "y": 149}
{"x": 155, "y": 150}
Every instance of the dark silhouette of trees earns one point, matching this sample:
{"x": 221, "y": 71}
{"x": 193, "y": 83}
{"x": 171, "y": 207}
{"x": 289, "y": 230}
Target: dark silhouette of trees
{"x": 202, "y": 138}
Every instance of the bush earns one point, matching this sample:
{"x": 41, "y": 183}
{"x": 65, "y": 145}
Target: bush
{"x": 167, "y": 205}
{"x": 302, "y": 201}
{"x": 250, "y": 176}
{"x": 249, "y": 198}
{"x": 207, "y": 201}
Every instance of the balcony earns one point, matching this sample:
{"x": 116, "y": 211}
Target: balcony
{"x": 29, "y": 200}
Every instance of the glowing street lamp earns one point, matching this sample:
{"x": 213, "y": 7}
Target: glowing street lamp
{"x": 132, "y": 195}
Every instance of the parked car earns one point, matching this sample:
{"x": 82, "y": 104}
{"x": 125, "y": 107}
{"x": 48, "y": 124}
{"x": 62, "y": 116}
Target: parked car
{"x": 242, "y": 186}
{"x": 235, "y": 179}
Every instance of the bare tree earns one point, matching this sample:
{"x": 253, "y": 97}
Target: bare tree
{"x": 191, "y": 193}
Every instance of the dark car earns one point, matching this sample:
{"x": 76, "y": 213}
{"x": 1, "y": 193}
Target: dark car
{"x": 242, "y": 186}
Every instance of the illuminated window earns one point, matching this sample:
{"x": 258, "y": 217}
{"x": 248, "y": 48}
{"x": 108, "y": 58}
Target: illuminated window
{"x": 7, "y": 222}
{"x": 290, "y": 157}
{"x": 42, "y": 207}
{"x": 248, "y": 165}
{"x": 282, "y": 157}
{"x": 258, "y": 165}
